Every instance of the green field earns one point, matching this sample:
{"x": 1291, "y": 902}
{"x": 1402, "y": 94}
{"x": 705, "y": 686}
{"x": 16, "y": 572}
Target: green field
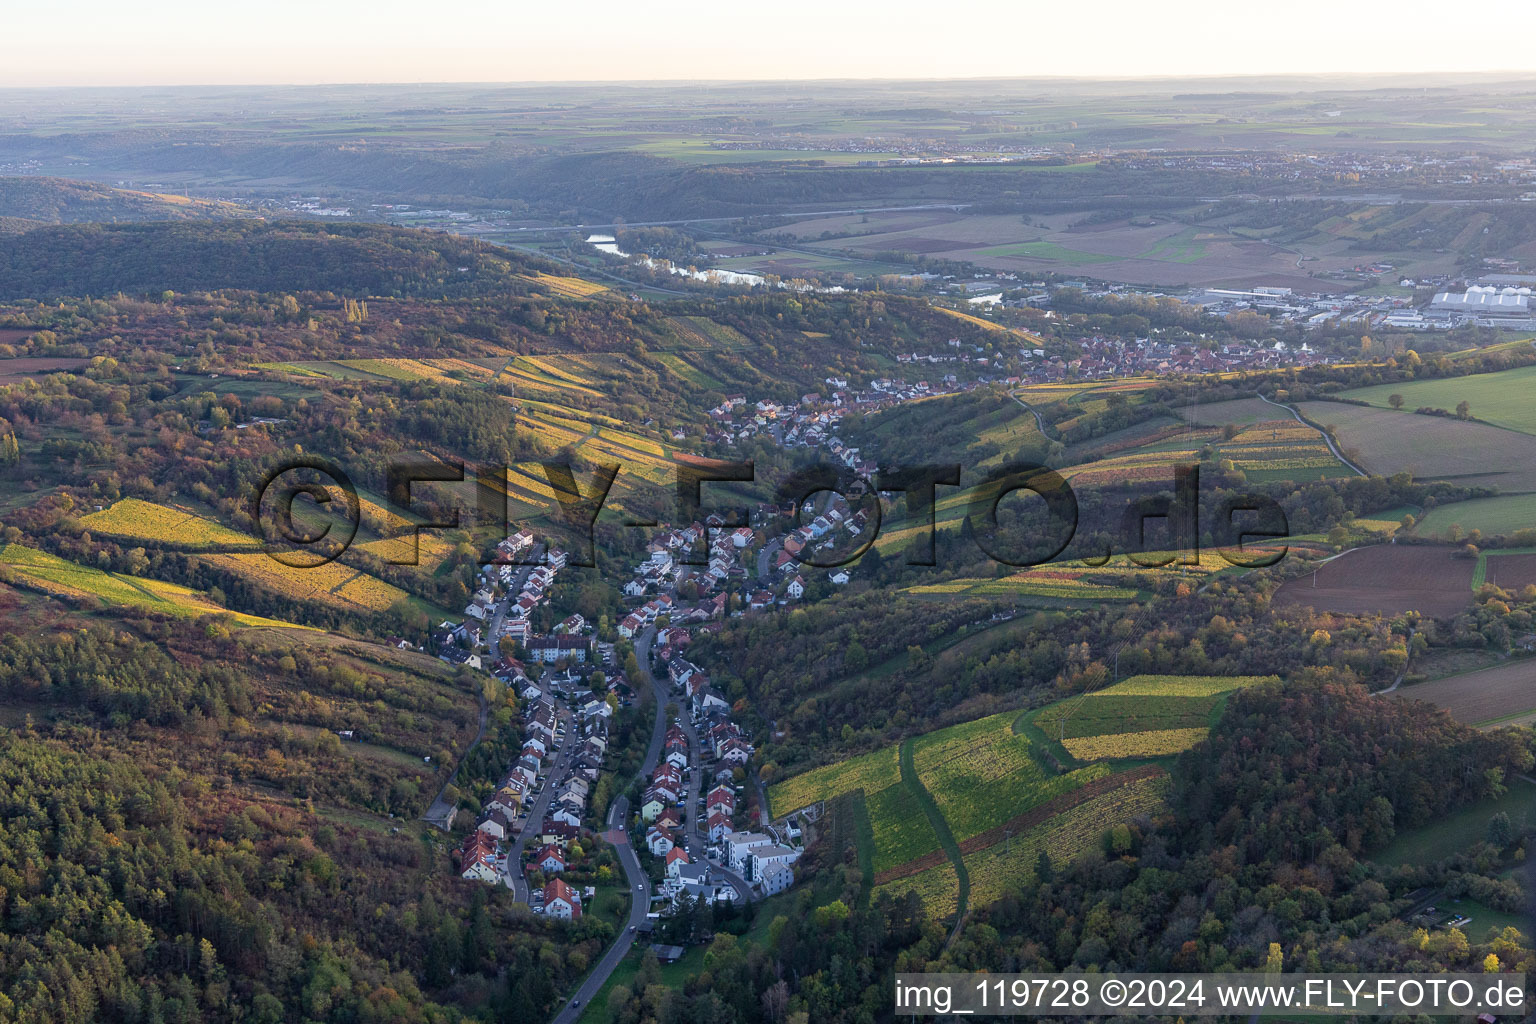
{"x": 1430, "y": 447}
{"x": 937, "y": 802}
{"x": 1494, "y": 516}
{"x": 1502, "y": 398}
{"x": 982, "y": 773}
{"x": 1140, "y": 717}
{"x": 1454, "y": 833}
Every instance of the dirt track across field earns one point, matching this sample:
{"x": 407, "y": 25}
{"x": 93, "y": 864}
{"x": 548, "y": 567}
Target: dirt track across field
{"x": 1387, "y": 579}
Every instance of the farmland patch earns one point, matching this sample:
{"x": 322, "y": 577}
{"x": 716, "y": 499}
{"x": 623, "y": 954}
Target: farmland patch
{"x": 1386, "y": 579}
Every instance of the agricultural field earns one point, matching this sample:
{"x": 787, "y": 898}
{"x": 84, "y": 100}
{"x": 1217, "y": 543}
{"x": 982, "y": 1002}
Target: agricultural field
{"x": 567, "y": 287}
{"x": 1490, "y": 697}
{"x": 1430, "y": 447}
{"x": 333, "y": 583}
{"x": 401, "y": 371}
{"x": 685, "y": 370}
{"x": 38, "y": 570}
{"x": 406, "y": 371}
{"x": 1102, "y": 714}
{"x": 700, "y": 333}
{"x": 1065, "y": 584}
{"x": 1493, "y": 516}
{"x": 1009, "y": 864}
{"x": 1385, "y": 579}
{"x": 1512, "y": 570}
{"x": 429, "y": 552}
{"x": 901, "y": 830}
{"x": 990, "y": 325}
{"x": 1182, "y": 686}
{"x": 1140, "y": 717}
{"x": 1502, "y": 399}
{"x": 982, "y": 773}
{"x": 1164, "y": 251}
{"x": 1137, "y": 744}
{"x": 531, "y": 371}
{"x": 135, "y": 519}
{"x": 1241, "y": 411}
{"x": 938, "y": 887}
{"x": 983, "y": 777}
{"x": 870, "y": 772}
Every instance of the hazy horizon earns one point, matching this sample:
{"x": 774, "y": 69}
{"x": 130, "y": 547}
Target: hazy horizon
{"x": 176, "y": 42}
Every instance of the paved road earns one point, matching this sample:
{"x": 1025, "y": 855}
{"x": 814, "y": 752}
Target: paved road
{"x": 514, "y": 589}
{"x": 1039, "y": 420}
{"x": 513, "y": 876}
{"x": 1296, "y": 413}
{"x": 695, "y": 838}
{"x": 765, "y": 557}
{"x": 618, "y": 816}
{"x": 617, "y": 836}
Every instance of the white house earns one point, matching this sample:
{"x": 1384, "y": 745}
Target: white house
{"x": 739, "y": 845}
{"x": 481, "y": 868}
{"x": 761, "y": 858}
{"x": 561, "y": 901}
{"x": 659, "y": 841}
{"x": 776, "y": 878}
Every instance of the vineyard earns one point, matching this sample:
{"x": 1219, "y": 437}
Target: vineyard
{"x": 901, "y": 830}
{"x": 38, "y": 570}
{"x": 1141, "y": 717}
{"x": 333, "y": 584}
{"x": 526, "y": 373}
{"x": 976, "y": 321}
{"x": 982, "y": 773}
{"x": 1182, "y": 686}
{"x": 1103, "y": 715}
{"x": 938, "y": 887}
{"x": 135, "y": 519}
{"x": 1122, "y": 745}
{"x": 1010, "y": 864}
{"x": 566, "y": 287}
{"x": 432, "y": 551}
{"x": 1033, "y": 583}
{"x": 700, "y": 332}
{"x": 685, "y": 370}
{"x": 988, "y": 785}
{"x": 870, "y": 772}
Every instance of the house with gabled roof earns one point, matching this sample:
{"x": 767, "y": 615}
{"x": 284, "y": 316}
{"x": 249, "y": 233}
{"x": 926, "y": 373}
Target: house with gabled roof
{"x": 550, "y": 860}
{"x": 562, "y": 901}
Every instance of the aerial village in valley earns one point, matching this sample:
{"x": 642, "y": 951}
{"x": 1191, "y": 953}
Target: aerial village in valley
{"x": 696, "y": 839}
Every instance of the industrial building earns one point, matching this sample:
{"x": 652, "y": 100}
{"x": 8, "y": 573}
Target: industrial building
{"x": 1485, "y": 300}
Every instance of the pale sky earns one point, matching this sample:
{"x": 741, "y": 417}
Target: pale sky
{"x": 186, "y": 42}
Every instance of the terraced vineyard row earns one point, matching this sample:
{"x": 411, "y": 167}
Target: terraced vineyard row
{"x": 49, "y": 574}
{"x": 961, "y": 814}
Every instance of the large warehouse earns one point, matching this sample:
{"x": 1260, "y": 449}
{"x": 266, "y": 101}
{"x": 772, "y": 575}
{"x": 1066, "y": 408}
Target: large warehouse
{"x": 1485, "y": 300}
